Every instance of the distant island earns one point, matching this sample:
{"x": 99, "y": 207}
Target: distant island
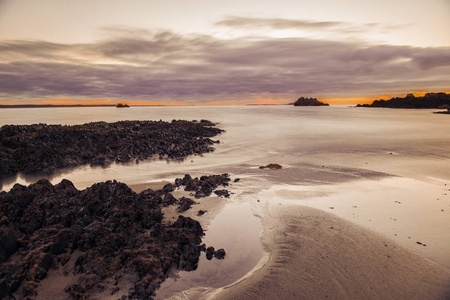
{"x": 430, "y": 100}
{"x": 302, "y": 101}
{"x": 120, "y": 105}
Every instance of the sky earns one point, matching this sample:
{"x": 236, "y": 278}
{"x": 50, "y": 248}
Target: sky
{"x": 210, "y": 52}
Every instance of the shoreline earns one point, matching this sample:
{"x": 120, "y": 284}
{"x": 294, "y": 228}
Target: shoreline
{"x": 319, "y": 255}
{"x": 349, "y": 251}
{"x": 241, "y": 260}
{"x": 211, "y": 205}
{"x": 357, "y": 261}
{"x": 403, "y": 260}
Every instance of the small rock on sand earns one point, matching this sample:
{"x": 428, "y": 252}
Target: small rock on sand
{"x": 271, "y": 167}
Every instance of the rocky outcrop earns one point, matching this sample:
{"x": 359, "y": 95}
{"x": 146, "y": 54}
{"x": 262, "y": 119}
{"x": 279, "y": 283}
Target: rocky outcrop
{"x": 106, "y": 231}
{"x": 430, "y": 100}
{"x": 309, "y": 102}
{"x": 211, "y": 252}
{"x": 46, "y": 148}
{"x": 204, "y": 186}
{"x": 122, "y": 105}
{"x": 271, "y": 167}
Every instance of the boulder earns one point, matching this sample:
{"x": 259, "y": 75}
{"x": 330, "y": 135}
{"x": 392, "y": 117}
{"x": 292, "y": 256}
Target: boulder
{"x": 219, "y": 254}
{"x": 271, "y": 167}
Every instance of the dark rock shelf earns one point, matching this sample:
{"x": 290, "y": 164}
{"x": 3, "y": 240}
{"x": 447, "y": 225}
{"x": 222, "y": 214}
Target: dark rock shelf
{"x": 45, "y": 148}
{"x": 97, "y": 236}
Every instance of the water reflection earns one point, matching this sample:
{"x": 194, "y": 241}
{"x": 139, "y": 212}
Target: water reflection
{"x": 236, "y": 230}
{"x": 341, "y": 136}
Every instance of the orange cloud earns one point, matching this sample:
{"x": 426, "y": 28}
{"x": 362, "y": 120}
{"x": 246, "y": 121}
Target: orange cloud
{"x": 262, "y": 101}
{"x": 369, "y": 100}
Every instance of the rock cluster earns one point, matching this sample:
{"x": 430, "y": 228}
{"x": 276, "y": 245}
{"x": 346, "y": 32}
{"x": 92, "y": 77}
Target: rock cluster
{"x": 211, "y": 252}
{"x": 45, "y": 148}
{"x": 430, "y": 100}
{"x": 204, "y": 186}
{"x": 99, "y": 233}
{"x": 302, "y": 101}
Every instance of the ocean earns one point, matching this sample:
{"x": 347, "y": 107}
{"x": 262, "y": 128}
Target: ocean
{"x": 340, "y": 136}
{"x": 385, "y": 169}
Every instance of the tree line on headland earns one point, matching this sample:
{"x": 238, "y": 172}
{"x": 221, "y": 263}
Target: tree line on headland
{"x": 429, "y": 100}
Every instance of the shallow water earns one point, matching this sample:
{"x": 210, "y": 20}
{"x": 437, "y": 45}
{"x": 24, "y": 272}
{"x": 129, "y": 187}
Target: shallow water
{"x": 333, "y": 156}
{"x": 236, "y": 230}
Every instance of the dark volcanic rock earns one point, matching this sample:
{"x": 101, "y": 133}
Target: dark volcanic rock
{"x": 309, "y": 102}
{"x": 204, "y": 186}
{"x": 169, "y": 199}
{"x": 219, "y": 254}
{"x": 271, "y": 167}
{"x": 209, "y": 253}
{"x": 222, "y": 193}
{"x": 45, "y": 148}
{"x": 8, "y": 243}
{"x": 184, "y": 204}
{"x": 430, "y": 100}
{"x": 114, "y": 230}
{"x": 168, "y": 188}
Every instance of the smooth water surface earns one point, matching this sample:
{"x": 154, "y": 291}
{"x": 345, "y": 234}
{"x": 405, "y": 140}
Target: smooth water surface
{"x": 367, "y": 138}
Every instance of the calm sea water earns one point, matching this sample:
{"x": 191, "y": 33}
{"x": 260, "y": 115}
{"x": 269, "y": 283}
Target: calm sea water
{"x": 361, "y": 162}
{"x": 336, "y": 135}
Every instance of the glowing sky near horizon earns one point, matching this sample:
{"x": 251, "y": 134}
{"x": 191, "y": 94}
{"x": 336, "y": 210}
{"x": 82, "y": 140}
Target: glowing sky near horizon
{"x": 209, "y": 51}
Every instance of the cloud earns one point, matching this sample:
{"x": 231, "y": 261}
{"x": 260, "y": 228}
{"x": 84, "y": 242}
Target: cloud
{"x": 333, "y": 29}
{"x": 166, "y": 66}
{"x": 275, "y": 23}
{"x": 433, "y": 58}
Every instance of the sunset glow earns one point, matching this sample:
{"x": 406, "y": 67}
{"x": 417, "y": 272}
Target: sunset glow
{"x": 246, "y": 53}
{"x": 210, "y": 149}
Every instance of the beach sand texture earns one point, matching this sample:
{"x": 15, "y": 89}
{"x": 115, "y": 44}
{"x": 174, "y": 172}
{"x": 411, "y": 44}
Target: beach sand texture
{"x": 315, "y": 255}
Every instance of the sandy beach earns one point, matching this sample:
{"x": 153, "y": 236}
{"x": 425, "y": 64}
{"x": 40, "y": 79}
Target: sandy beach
{"x": 315, "y": 255}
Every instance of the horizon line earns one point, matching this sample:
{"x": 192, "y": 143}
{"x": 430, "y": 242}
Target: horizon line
{"x": 266, "y": 101}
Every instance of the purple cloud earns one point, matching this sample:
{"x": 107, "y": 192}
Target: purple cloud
{"x": 170, "y": 67}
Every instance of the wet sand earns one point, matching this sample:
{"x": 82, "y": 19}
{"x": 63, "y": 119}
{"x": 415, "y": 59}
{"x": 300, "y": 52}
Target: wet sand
{"x": 316, "y": 255}
{"x": 351, "y": 251}
{"x": 413, "y": 213}
{"x": 211, "y": 205}
{"x": 228, "y": 224}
